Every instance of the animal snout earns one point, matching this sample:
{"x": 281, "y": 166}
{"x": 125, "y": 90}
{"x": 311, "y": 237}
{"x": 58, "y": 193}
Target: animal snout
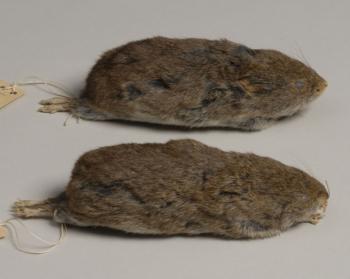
{"x": 320, "y": 86}
{"x": 315, "y": 219}
{"x": 319, "y": 213}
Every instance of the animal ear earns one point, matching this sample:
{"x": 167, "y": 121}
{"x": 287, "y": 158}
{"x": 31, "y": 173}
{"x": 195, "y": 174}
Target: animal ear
{"x": 243, "y": 53}
{"x": 244, "y": 50}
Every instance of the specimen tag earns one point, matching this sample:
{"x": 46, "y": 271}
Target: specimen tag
{"x": 3, "y": 232}
{"x": 9, "y": 93}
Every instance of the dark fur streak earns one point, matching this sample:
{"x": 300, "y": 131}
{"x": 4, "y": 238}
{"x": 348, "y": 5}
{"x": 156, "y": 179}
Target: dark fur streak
{"x": 214, "y": 87}
{"x": 159, "y": 83}
{"x": 229, "y": 194}
{"x": 108, "y": 189}
{"x": 199, "y": 55}
{"x": 212, "y": 215}
{"x": 244, "y": 176}
{"x": 134, "y": 195}
{"x": 245, "y": 190}
{"x": 213, "y": 91}
{"x": 123, "y": 59}
{"x": 99, "y": 188}
{"x": 208, "y": 213}
{"x": 118, "y": 94}
{"x": 237, "y": 91}
{"x": 207, "y": 102}
{"x": 192, "y": 224}
{"x": 205, "y": 176}
{"x": 192, "y": 114}
{"x": 235, "y": 64}
{"x": 130, "y": 60}
{"x": 148, "y": 214}
{"x": 253, "y": 225}
{"x": 228, "y": 226}
{"x": 267, "y": 216}
{"x": 167, "y": 204}
{"x": 199, "y": 52}
{"x": 133, "y": 92}
{"x": 169, "y": 79}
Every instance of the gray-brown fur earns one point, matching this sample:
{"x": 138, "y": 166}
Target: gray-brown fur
{"x": 183, "y": 187}
{"x": 194, "y": 83}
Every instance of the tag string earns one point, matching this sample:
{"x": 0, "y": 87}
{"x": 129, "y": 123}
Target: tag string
{"x": 10, "y": 224}
{"x": 36, "y": 81}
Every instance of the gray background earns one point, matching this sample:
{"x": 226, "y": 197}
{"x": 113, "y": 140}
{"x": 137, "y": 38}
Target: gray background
{"x": 61, "y": 40}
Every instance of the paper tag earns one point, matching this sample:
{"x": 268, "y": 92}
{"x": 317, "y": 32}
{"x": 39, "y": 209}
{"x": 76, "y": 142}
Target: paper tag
{"x": 9, "y": 93}
{"x": 3, "y": 232}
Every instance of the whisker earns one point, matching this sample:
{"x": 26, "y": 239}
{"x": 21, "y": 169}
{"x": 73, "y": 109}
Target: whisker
{"x": 328, "y": 189}
{"x": 67, "y": 118}
{"x": 297, "y": 56}
{"x": 307, "y": 61}
{"x": 302, "y": 55}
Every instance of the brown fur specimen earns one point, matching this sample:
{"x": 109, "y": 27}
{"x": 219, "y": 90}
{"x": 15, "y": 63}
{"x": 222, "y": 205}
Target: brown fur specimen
{"x": 193, "y": 83}
{"x": 183, "y": 187}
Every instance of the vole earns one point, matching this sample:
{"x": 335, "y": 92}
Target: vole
{"x": 193, "y": 83}
{"x": 183, "y": 187}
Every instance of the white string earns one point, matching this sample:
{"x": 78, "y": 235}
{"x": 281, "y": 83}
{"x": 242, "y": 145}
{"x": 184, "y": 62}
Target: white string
{"x": 10, "y": 225}
{"x": 36, "y": 81}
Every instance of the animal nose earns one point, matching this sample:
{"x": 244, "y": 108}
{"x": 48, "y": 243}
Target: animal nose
{"x": 315, "y": 219}
{"x": 320, "y": 87}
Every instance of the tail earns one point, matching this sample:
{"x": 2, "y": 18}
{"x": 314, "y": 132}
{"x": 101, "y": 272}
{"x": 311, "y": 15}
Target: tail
{"x": 37, "y": 209}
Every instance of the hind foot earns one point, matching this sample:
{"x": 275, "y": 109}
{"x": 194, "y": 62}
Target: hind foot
{"x": 56, "y": 104}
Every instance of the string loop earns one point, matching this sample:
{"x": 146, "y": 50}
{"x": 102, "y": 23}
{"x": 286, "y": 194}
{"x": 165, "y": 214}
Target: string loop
{"x": 10, "y": 224}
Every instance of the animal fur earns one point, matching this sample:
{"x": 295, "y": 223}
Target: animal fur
{"x": 193, "y": 83}
{"x": 183, "y": 187}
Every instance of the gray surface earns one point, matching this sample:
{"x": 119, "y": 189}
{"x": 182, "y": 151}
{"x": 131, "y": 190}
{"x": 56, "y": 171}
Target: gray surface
{"x": 60, "y": 40}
